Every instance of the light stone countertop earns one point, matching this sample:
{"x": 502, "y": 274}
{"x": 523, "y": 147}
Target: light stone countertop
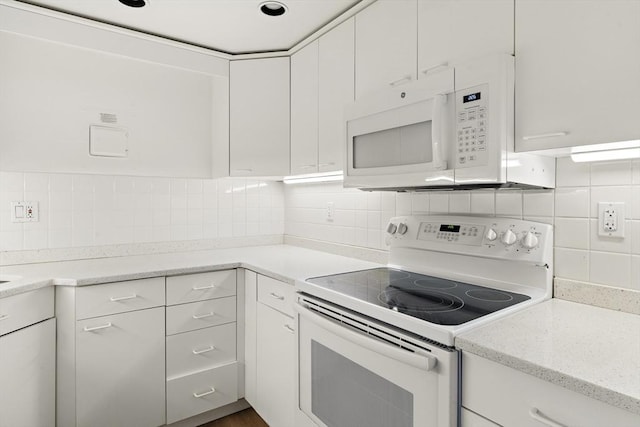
{"x": 281, "y": 262}
{"x": 590, "y": 350}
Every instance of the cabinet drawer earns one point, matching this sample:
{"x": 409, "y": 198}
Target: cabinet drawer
{"x": 199, "y": 315}
{"x": 276, "y": 294}
{"x": 193, "y": 394}
{"x": 201, "y": 286}
{"x": 119, "y": 297}
{"x": 488, "y": 390}
{"x": 25, "y": 309}
{"x": 202, "y": 349}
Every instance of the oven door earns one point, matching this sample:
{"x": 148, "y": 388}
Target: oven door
{"x": 348, "y": 377}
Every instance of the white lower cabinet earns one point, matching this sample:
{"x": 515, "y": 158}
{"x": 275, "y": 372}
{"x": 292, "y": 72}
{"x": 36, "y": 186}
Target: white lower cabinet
{"x": 27, "y": 360}
{"x": 270, "y": 350}
{"x": 509, "y": 397}
{"x": 120, "y": 370}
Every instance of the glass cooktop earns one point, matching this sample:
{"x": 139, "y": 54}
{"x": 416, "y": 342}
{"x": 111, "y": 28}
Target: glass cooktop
{"x": 436, "y": 300}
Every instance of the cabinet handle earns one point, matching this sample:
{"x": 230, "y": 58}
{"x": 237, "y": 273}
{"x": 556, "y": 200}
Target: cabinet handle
{"x": 435, "y": 67}
{"x": 307, "y": 166}
{"x": 327, "y": 164}
{"x": 545, "y": 135}
{"x": 537, "y": 415}
{"x": 276, "y": 296}
{"x": 202, "y": 316}
{"x": 205, "y": 393}
{"x": 95, "y": 328}
{"x": 4, "y": 316}
{"x": 404, "y": 79}
{"x": 243, "y": 170}
{"x": 202, "y": 288}
{"x": 290, "y": 329}
{"x": 115, "y": 299}
{"x": 204, "y": 350}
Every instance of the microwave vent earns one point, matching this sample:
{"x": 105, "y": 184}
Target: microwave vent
{"x": 108, "y": 118}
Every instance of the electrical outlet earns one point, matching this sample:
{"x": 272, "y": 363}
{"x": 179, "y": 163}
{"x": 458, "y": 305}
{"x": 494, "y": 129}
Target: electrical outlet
{"x": 24, "y": 212}
{"x": 330, "y": 211}
{"x": 611, "y": 219}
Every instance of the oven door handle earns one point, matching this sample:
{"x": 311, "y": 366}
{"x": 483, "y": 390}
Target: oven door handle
{"x": 422, "y": 361}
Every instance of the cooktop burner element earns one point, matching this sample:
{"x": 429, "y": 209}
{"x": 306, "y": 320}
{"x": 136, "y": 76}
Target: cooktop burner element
{"x": 436, "y": 300}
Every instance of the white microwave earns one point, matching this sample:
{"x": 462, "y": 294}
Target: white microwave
{"x": 451, "y": 129}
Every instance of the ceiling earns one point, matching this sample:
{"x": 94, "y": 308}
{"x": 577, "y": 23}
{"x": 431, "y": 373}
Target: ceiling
{"x": 231, "y": 26}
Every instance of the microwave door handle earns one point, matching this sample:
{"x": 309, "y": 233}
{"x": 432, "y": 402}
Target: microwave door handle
{"x": 439, "y": 102}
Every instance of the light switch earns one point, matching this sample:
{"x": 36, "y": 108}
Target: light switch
{"x": 24, "y": 212}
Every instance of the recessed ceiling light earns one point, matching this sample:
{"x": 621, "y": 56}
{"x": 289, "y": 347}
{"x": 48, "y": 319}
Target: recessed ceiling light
{"x": 272, "y": 8}
{"x": 134, "y": 3}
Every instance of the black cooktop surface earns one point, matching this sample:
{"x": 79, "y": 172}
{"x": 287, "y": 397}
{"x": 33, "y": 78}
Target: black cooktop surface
{"x": 436, "y": 300}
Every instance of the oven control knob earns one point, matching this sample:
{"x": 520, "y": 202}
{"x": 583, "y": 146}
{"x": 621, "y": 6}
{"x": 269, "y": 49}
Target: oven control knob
{"x": 402, "y": 228}
{"x": 509, "y": 237}
{"x": 529, "y": 241}
{"x": 392, "y": 228}
{"x": 491, "y": 235}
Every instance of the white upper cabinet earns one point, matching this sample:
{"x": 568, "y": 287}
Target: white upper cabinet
{"x": 450, "y": 31}
{"x": 577, "y": 72}
{"x": 336, "y": 89}
{"x": 304, "y": 110}
{"x": 386, "y": 45}
{"x": 259, "y": 117}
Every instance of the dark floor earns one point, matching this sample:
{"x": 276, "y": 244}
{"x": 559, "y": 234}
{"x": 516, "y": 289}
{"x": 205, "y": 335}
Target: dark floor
{"x": 246, "y": 418}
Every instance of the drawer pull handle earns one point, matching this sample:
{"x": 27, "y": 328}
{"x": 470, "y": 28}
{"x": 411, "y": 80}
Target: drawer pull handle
{"x": 202, "y": 316}
{"x": 204, "y": 350}
{"x": 202, "y": 288}
{"x": 326, "y": 164}
{"x": 95, "y": 328}
{"x": 205, "y": 393}
{"x": 404, "y": 79}
{"x": 434, "y": 68}
{"x": 290, "y": 329}
{"x": 545, "y": 135}
{"x": 538, "y": 416}
{"x": 115, "y": 299}
{"x": 276, "y": 296}
{"x": 4, "y": 316}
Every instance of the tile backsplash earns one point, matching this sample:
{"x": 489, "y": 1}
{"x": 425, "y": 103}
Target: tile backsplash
{"x": 94, "y": 210}
{"x": 580, "y": 254}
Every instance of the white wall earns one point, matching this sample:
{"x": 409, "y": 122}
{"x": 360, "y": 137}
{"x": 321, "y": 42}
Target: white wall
{"x": 580, "y": 253}
{"x": 91, "y": 210}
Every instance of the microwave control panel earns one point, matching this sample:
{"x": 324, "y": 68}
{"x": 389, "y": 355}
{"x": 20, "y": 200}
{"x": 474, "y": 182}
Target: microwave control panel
{"x": 472, "y": 119}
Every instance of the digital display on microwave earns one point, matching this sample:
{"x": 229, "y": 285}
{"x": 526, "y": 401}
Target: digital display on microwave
{"x": 450, "y": 228}
{"x": 471, "y": 97}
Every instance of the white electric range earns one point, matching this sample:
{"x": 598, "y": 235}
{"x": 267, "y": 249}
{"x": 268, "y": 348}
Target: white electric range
{"x": 393, "y": 328}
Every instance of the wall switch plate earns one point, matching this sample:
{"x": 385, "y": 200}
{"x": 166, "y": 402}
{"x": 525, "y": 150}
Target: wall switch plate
{"x": 611, "y": 219}
{"x": 24, "y": 212}
{"x": 330, "y": 211}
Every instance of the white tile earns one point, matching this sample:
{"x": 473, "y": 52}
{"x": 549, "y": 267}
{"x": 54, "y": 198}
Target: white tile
{"x": 634, "y": 231}
{"x": 253, "y": 215}
{"x": 195, "y": 186}
{"x": 179, "y": 201}
{"x": 483, "y": 202}
{"x": 5, "y": 221}
{"x": 610, "y": 269}
{"x": 161, "y": 202}
{"x": 611, "y": 194}
{"x": 459, "y": 202}
{"x": 59, "y": 182}
{"x": 403, "y": 204}
{"x": 161, "y": 186}
{"x": 178, "y": 187}
{"x": 635, "y": 202}
{"x": 104, "y": 184}
{"x": 374, "y": 201}
{"x": 178, "y": 217}
{"x": 36, "y": 239}
{"x": 571, "y": 174}
{"x": 124, "y": 184}
{"x": 374, "y": 220}
{"x": 611, "y": 173}
{"x": 60, "y": 219}
{"x": 610, "y": 244}
{"x": 438, "y": 202}
{"x": 361, "y": 219}
{"x": 572, "y": 233}
{"x": 635, "y": 172}
{"x": 239, "y": 229}
{"x": 253, "y": 228}
{"x": 537, "y": 203}
{"x": 635, "y": 273}
{"x": 60, "y": 238}
{"x": 36, "y": 182}
{"x": 388, "y": 201}
{"x": 195, "y": 217}
{"x": 60, "y": 201}
{"x": 178, "y": 232}
{"x": 162, "y": 233}
{"x": 11, "y": 240}
{"x": 253, "y": 201}
{"x": 210, "y": 230}
{"x": 143, "y": 234}
{"x": 239, "y": 215}
{"x": 571, "y": 264}
{"x": 194, "y": 232}
{"x": 543, "y": 219}
{"x": 125, "y": 201}
{"x": 161, "y": 218}
{"x": 419, "y": 203}
{"x": 195, "y": 201}
{"x": 143, "y": 185}
{"x": 82, "y": 183}
{"x": 210, "y": 186}
{"x": 12, "y": 181}
{"x": 509, "y": 203}
{"x": 361, "y": 235}
{"x": 373, "y": 238}
{"x": 572, "y": 202}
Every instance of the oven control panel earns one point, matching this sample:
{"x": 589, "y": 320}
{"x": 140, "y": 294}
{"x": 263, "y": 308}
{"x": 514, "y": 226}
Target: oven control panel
{"x": 481, "y": 236}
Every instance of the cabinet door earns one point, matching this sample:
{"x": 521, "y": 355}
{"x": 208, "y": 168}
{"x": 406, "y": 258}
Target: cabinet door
{"x": 304, "y": 110}
{"x": 259, "y": 116}
{"x": 386, "y": 44}
{"x": 276, "y": 352}
{"x": 250, "y": 337}
{"x": 577, "y": 68}
{"x": 450, "y": 31}
{"x": 27, "y": 372}
{"x": 120, "y": 370}
{"x": 336, "y": 89}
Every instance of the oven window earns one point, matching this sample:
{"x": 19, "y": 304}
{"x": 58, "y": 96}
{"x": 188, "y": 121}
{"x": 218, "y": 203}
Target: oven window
{"x": 344, "y": 393}
{"x": 404, "y": 145}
